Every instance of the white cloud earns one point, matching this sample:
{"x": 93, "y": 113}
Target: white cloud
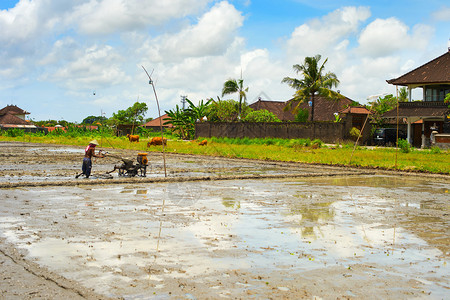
{"x": 19, "y": 23}
{"x": 212, "y": 35}
{"x": 99, "y": 17}
{"x": 318, "y": 35}
{"x": 63, "y": 50}
{"x": 97, "y": 66}
{"x": 382, "y": 37}
{"x": 30, "y": 20}
{"x": 388, "y": 36}
{"x": 443, "y": 14}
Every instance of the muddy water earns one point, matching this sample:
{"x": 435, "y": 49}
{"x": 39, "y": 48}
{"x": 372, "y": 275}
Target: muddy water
{"x": 359, "y": 237}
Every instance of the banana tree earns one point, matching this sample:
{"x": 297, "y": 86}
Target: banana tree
{"x": 200, "y": 111}
{"x": 183, "y": 123}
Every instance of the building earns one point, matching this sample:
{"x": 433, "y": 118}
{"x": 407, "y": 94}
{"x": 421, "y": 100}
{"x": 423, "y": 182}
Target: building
{"x": 430, "y": 114}
{"x": 155, "y": 124}
{"x": 359, "y": 115}
{"x": 12, "y": 117}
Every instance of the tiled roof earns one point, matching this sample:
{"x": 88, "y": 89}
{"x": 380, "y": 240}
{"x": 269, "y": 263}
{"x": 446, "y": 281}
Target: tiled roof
{"x": 324, "y": 109}
{"x": 13, "y": 109}
{"x": 276, "y": 107}
{"x": 156, "y": 123}
{"x": 435, "y": 71}
{"x": 356, "y": 110}
{"x": 419, "y": 109}
{"x": 10, "y": 119}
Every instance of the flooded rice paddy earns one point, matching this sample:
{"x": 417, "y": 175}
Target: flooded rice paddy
{"x": 356, "y": 237}
{"x": 314, "y": 232}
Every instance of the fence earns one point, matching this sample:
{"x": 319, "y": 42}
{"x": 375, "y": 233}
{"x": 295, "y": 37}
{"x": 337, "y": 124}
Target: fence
{"x": 328, "y": 132}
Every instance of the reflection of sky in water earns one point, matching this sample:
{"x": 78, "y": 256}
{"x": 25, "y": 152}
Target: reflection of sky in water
{"x": 231, "y": 225}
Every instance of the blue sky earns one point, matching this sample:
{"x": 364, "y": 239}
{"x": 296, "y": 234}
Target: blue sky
{"x": 55, "y": 54}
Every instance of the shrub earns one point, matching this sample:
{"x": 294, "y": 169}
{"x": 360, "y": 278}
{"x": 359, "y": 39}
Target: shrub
{"x": 435, "y": 150}
{"x": 302, "y": 115}
{"x": 14, "y": 132}
{"x": 306, "y": 142}
{"x": 404, "y": 146}
{"x": 262, "y": 115}
{"x": 355, "y": 133}
{"x": 316, "y": 143}
{"x": 269, "y": 141}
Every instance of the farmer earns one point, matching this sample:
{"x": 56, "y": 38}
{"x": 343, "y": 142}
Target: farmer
{"x": 89, "y": 152}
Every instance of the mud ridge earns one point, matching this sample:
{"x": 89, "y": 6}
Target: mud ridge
{"x": 83, "y": 182}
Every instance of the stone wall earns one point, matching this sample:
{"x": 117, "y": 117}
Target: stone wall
{"x": 328, "y": 132}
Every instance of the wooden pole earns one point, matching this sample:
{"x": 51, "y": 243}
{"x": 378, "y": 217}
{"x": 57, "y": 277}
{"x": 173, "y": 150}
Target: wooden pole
{"x": 396, "y": 143}
{"x": 160, "y": 120}
{"x": 357, "y": 140}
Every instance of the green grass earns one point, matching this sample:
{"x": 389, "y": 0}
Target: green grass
{"x": 295, "y": 150}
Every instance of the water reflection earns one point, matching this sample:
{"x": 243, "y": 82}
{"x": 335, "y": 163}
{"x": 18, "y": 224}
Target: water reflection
{"x": 231, "y": 203}
{"x": 311, "y": 216}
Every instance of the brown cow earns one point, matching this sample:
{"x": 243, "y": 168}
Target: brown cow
{"x": 203, "y": 143}
{"x": 133, "y": 138}
{"x": 157, "y": 140}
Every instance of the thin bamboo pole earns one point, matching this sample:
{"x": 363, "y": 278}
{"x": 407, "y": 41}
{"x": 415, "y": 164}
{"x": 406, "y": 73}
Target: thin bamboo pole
{"x": 396, "y": 141}
{"x": 160, "y": 121}
{"x": 357, "y": 140}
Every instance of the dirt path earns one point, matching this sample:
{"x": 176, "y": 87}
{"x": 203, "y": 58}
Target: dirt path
{"x": 265, "y": 230}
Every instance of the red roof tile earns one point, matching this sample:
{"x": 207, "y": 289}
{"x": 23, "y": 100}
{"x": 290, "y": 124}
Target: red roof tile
{"x": 356, "y": 110}
{"x": 156, "y": 122}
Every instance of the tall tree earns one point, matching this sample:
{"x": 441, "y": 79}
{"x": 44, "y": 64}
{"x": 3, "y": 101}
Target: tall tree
{"x": 232, "y": 86}
{"x": 380, "y": 106}
{"x": 313, "y": 83}
{"x": 132, "y": 115}
{"x": 403, "y": 95}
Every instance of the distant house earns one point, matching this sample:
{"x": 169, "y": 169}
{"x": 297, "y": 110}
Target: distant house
{"x": 12, "y": 116}
{"x": 359, "y": 115}
{"x": 324, "y": 109}
{"x": 155, "y": 124}
{"x": 53, "y": 128}
{"x": 15, "y": 111}
{"x": 422, "y": 117}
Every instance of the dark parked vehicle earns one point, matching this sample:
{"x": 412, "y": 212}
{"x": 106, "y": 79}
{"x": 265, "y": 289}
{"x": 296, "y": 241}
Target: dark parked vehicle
{"x": 387, "y": 136}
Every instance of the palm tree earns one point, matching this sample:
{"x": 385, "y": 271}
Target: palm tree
{"x": 232, "y": 86}
{"x": 313, "y": 82}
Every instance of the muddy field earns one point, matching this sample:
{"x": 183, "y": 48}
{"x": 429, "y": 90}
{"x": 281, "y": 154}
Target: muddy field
{"x": 233, "y": 229}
